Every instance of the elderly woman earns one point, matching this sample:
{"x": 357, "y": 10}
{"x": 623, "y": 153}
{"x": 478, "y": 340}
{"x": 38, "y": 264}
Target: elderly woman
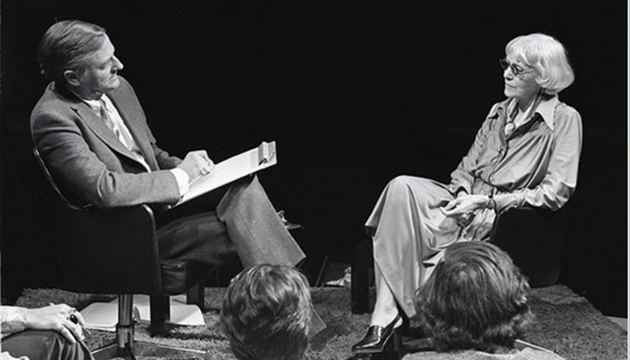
{"x": 526, "y": 154}
{"x": 474, "y": 306}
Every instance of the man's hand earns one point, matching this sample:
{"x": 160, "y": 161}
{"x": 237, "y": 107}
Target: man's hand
{"x": 57, "y": 318}
{"x": 196, "y": 164}
{"x": 462, "y": 209}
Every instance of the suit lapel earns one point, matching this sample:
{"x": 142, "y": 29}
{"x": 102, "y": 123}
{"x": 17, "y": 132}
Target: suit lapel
{"x": 99, "y": 128}
{"x": 128, "y": 112}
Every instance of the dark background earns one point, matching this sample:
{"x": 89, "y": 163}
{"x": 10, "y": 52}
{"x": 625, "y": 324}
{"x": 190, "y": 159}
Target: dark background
{"x": 354, "y": 93}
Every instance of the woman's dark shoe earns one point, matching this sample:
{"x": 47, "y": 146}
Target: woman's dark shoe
{"x": 378, "y": 339}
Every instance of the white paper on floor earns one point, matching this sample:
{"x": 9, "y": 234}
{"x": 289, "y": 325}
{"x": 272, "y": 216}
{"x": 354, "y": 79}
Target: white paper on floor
{"x": 104, "y": 316}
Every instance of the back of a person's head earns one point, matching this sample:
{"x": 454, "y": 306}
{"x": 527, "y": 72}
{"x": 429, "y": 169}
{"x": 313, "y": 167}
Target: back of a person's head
{"x": 266, "y": 313}
{"x": 475, "y": 299}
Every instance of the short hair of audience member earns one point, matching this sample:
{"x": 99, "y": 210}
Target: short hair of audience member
{"x": 475, "y": 299}
{"x": 67, "y": 45}
{"x": 266, "y": 313}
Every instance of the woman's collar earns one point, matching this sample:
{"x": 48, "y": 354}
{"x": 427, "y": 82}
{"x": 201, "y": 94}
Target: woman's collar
{"x": 546, "y": 108}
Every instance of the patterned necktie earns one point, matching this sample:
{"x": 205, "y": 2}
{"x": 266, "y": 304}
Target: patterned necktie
{"x": 107, "y": 119}
{"x": 124, "y": 136}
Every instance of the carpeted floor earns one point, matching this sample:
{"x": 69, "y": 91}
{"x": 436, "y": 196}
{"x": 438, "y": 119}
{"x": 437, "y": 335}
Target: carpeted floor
{"x": 566, "y": 323}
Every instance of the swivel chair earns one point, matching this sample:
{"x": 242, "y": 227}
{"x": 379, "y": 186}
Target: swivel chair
{"x": 116, "y": 252}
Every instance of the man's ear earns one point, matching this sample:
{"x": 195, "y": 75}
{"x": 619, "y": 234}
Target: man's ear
{"x": 72, "y": 77}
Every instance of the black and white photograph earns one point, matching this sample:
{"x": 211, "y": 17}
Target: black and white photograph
{"x": 304, "y": 180}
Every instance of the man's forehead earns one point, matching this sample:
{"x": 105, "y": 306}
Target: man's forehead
{"x": 104, "y": 53}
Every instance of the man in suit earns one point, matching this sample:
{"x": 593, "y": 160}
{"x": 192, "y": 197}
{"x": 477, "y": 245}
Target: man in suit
{"x": 91, "y": 131}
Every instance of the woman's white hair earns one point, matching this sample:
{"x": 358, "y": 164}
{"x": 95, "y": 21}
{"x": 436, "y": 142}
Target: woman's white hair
{"x": 547, "y": 56}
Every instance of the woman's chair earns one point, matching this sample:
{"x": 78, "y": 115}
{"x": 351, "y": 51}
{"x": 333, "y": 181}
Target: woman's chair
{"x": 533, "y": 237}
{"x": 116, "y": 252}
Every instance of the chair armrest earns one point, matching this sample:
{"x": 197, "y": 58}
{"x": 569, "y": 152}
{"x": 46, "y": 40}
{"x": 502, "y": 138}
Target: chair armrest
{"x": 519, "y": 221}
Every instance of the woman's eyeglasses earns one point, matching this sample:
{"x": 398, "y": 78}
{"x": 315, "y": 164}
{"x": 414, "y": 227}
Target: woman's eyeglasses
{"x": 516, "y": 69}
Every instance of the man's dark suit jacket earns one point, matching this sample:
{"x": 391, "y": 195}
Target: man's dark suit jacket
{"x": 86, "y": 155}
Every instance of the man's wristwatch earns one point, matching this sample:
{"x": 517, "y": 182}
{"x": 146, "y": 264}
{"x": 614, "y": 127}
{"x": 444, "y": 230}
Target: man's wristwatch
{"x": 491, "y": 203}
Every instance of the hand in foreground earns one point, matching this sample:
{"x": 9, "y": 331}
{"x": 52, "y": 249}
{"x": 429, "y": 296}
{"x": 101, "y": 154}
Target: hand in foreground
{"x": 196, "y": 163}
{"x": 57, "y": 318}
{"x": 462, "y": 209}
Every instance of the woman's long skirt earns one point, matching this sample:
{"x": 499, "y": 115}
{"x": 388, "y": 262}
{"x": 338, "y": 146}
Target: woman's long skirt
{"x": 410, "y": 232}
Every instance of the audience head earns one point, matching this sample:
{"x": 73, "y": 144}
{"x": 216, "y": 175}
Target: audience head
{"x": 266, "y": 313}
{"x": 476, "y": 298}
{"x": 68, "y": 45}
{"x": 547, "y": 56}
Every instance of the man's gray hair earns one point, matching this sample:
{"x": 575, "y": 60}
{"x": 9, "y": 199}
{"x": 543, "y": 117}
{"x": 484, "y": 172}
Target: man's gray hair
{"x": 67, "y": 45}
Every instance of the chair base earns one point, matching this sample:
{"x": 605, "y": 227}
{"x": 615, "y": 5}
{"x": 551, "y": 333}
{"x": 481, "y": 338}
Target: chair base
{"x": 141, "y": 348}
